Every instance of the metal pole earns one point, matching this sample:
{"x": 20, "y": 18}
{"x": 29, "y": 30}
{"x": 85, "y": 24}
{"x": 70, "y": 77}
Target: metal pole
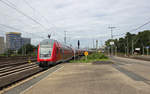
{"x": 132, "y": 47}
{"x": 96, "y": 45}
{"x": 25, "y": 50}
{"x": 125, "y": 50}
{"x": 108, "y": 50}
{"x": 93, "y": 44}
{"x": 74, "y": 54}
{"x": 143, "y": 50}
{"x": 116, "y": 51}
{"x": 112, "y": 50}
{"x": 22, "y": 50}
{"x": 86, "y": 57}
{"x": 147, "y": 51}
{"x": 111, "y": 33}
{"x": 111, "y": 29}
{"x": 7, "y": 46}
{"x": 22, "y": 46}
{"x": 65, "y": 36}
{"x": 127, "y": 47}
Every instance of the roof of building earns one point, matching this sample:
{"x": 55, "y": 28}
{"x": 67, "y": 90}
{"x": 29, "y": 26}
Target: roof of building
{"x": 25, "y": 38}
{"x": 18, "y": 33}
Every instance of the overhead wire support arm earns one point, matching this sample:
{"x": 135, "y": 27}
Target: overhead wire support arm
{"x": 111, "y": 28}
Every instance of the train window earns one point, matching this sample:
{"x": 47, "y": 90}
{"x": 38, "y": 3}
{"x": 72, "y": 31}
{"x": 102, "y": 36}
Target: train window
{"x": 57, "y": 50}
{"x": 49, "y": 42}
{"x": 45, "y": 51}
{"x": 60, "y": 50}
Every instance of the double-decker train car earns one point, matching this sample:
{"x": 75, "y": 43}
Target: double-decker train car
{"x": 51, "y": 52}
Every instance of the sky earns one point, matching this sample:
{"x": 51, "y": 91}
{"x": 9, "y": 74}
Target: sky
{"x": 84, "y": 20}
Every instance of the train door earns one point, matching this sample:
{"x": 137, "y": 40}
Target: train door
{"x": 57, "y": 52}
{"x": 63, "y": 54}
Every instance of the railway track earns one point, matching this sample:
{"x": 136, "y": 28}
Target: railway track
{"x": 13, "y": 59}
{"x": 145, "y": 58}
{"x": 13, "y": 73}
{"x": 14, "y": 63}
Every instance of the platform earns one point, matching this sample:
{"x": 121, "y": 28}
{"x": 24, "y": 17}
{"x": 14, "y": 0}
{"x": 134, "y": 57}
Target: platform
{"x": 88, "y": 78}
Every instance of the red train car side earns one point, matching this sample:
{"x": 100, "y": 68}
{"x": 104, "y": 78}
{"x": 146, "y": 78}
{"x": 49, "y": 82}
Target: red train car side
{"x": 51, "y": 52}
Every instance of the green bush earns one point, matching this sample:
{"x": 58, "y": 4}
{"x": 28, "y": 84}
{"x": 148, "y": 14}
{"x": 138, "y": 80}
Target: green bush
{"x": 91, "y": 58}
{"x": 97, "y": 56}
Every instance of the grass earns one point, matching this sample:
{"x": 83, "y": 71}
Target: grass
{"x": 91, "y": 58}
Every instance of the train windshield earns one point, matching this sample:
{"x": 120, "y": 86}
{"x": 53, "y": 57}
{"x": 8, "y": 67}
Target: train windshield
{"x": 45, "y": 51}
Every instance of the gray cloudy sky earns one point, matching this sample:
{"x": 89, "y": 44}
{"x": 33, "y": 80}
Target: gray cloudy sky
{"x": 82, "y": 19}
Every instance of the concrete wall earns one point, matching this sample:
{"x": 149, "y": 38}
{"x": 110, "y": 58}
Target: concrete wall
{"x": 26, "y": 41}
{"x": 2, "y": 45}
{"x": 13, "y": 40}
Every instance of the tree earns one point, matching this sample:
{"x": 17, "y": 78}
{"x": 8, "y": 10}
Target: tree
{"x": 140, "y": 40}
{"x": 143, "y": 39}
{"x": 27, "y": 49}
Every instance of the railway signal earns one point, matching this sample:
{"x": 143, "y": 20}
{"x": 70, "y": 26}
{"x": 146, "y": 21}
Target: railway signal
{"x": 78, "y": 44}
{"x": 49, "y": 36}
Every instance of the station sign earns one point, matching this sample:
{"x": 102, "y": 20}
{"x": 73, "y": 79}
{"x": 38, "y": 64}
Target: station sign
{"x": 137, "y": 49}
{"x": 86, "y": 53}
{"x": 99, "y": 51}
{"x": 111, "y": 43}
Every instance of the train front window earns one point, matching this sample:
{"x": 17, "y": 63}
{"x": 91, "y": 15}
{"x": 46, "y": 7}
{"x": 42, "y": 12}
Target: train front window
{"x": 45, "y": 51}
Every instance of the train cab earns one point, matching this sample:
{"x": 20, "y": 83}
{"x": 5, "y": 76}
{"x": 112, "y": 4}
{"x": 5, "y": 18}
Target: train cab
{"x": 45, "y": 52}
{"x": 51, "y": 52}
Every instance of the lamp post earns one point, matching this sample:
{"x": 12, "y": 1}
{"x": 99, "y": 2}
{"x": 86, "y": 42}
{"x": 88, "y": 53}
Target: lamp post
{"x": 65, "y": 36}
{"x": 111, "y": 29}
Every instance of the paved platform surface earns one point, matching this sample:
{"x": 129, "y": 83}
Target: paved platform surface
{"x": 88, "y": 78}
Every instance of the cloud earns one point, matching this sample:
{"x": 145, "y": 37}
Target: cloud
{"x": 82, "y": 19}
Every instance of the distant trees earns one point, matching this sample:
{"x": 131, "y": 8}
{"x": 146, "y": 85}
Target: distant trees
{"x": 140, "y": 40}
{"x": 27, "y": 49}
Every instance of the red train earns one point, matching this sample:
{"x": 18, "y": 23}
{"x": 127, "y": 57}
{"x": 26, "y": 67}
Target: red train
{"x": 51, "y": 52}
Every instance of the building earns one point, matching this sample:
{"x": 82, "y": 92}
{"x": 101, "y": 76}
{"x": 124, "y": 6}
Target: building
{"x": 13, "y": 40}
{"x": 26, "y": 41}
{"x": 2, "y": 45}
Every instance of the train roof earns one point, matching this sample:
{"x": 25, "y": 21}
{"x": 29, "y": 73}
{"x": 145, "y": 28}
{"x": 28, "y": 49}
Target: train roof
{"x": 51, "y": 42}
{"x": 47, "y": 41}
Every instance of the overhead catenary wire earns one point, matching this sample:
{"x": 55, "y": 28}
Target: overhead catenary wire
{"x": 42, "y": 16}
{"x": 134, "y": 29}
{"x": 35, "y": 10}
{"x": 29, "y": 17}
{"x": 16, "y": 29}
{"x": 11, "y": 5}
